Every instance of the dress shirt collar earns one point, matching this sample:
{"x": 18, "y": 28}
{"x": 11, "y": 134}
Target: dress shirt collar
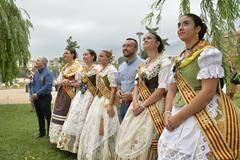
{"x": 133, "y": 60}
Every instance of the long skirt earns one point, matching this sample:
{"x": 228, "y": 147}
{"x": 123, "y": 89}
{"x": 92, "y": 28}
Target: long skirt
{"x": 98, "y": 136}
{"x": 136, "y": 134}
{"x": 187, "y": 140}
{"x": 72, "y": 127}
{"x": 59, "y": 115}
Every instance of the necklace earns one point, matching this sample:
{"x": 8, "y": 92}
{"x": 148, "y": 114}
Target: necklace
{"x": 189, "y": 49}
{"x": 150, "y": 61}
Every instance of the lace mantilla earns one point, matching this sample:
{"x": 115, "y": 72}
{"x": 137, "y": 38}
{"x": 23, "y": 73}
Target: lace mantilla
{"x": 152, "y": 70}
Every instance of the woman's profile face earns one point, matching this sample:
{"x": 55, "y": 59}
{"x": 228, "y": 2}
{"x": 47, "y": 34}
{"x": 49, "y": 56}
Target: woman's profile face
{"x": 102, "y": 58}
{"x": 186, "y": 28}
{"x": 87, "y": 57}
{"x": 68, "y": 56}
{"x": 150, "y": 42}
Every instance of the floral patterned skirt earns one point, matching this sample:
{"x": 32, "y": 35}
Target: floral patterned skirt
{"x": 72, "y": 128}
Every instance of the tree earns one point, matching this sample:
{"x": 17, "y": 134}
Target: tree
{"x": 164, "y": 41}
{"x": 219, "y": 15}
{"x": 155, "y": 29}
{"x": 71, "y": 43}
{"x": 14, "y": 39}
{"x": 121, "y": 60}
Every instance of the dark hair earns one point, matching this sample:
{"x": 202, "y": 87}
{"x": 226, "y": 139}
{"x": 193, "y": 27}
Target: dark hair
{"x": 198, "y": 22}
{"x": 132, "y": 39}
{"x": 72, "y": 51}
{"x": 92, "y": 53}
{"x": 158, "y": 38}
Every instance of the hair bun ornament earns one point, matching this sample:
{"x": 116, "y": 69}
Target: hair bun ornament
{"x": 111, "y": 57}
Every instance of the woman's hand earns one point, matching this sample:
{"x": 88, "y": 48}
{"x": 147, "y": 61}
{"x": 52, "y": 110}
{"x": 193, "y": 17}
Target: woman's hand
{"x": 166, "y": 116}
{"x": 65, "y": 82}
{"x": 137, "y": 109}
{"x": 173, "y": 121}
{"x": 110, "y": 110}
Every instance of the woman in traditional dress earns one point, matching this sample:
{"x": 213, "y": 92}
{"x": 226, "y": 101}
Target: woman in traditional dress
{"x": 72, "y": 128}
{"x": 199, "y": 123}
{"x": 68, "y": 80}
{"x": 98, "y": 136}
{"x": 141, "y": 124}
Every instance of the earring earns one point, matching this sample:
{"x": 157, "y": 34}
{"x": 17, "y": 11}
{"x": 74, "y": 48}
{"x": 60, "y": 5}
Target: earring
{"x": 197, "y": 36}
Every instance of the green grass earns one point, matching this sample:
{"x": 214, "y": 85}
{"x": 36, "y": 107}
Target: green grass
{"x": 18, "y": 131}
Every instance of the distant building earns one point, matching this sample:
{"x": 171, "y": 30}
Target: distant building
{"x": 54, "y": 62}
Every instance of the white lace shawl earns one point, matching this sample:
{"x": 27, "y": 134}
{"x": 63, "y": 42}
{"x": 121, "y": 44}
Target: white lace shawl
{"x": 111, "y": 73}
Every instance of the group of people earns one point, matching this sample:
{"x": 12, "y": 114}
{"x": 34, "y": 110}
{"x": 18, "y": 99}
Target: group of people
{"x": 147, "y": 109}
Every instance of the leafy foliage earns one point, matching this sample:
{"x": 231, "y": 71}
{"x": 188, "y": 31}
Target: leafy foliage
{"x": 219, "y": 15}
{"x": 150, "y": 29}
{"x": 14, "y": 39}
{"x": 71, "y": 43}
{"x": 121, "y": 60}
{"x": 154, "y": 30}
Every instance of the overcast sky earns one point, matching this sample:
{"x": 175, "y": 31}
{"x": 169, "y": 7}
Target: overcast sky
{"x": 98, "y": 25}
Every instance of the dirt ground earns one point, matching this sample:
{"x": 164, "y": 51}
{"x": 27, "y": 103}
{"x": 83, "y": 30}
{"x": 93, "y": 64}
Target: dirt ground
{"x": 17, "y": 96}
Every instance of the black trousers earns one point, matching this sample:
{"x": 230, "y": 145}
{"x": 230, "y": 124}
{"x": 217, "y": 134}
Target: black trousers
{"x": 43, "y": 111}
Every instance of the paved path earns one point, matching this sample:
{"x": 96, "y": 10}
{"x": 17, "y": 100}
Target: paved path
{"x": 16, "y": 96}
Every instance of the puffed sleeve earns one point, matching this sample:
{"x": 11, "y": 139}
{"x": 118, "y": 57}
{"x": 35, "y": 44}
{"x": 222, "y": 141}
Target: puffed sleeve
{"x": 112, "y": 77}
{"x": 163, "y": 76}
{"x": 210, "y": 63}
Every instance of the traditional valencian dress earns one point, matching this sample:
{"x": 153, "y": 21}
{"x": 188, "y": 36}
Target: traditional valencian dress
{"x": 212, "y": 133}
{"x": 137, "y": 133}
{"x": 72, "y": 128}
{"x": 63, "y": 101}
{"x": 95, "y": 144}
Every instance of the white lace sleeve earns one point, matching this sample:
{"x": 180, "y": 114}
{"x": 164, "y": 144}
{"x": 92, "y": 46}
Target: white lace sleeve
{"x": 78, "y": 76}
{"x": 163, "y": 76}
{"x": 136, "y": 79}
{"x": 171, "y": 76}
{"x": 210, "y": 63}
{"x": 112, "y": 77}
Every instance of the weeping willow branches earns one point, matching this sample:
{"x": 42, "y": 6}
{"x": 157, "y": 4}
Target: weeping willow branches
{"x": 14, "y": 39}
{"x": 219, "y": 15}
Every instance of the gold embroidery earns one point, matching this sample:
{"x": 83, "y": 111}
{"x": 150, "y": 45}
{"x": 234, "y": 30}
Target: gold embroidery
{"x": 68, "y": 71}
{"x": 222, "y": 147}
{"x": 103, "y": 90}
{"x": 154, "y": 113}
{"x": 196, "y": 51}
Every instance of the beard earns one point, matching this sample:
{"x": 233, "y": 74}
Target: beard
{"x": 128, "y": 54}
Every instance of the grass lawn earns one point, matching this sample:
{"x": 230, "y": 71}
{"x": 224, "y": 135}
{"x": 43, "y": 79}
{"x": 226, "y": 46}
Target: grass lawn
{"x": 18, "y": 131}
